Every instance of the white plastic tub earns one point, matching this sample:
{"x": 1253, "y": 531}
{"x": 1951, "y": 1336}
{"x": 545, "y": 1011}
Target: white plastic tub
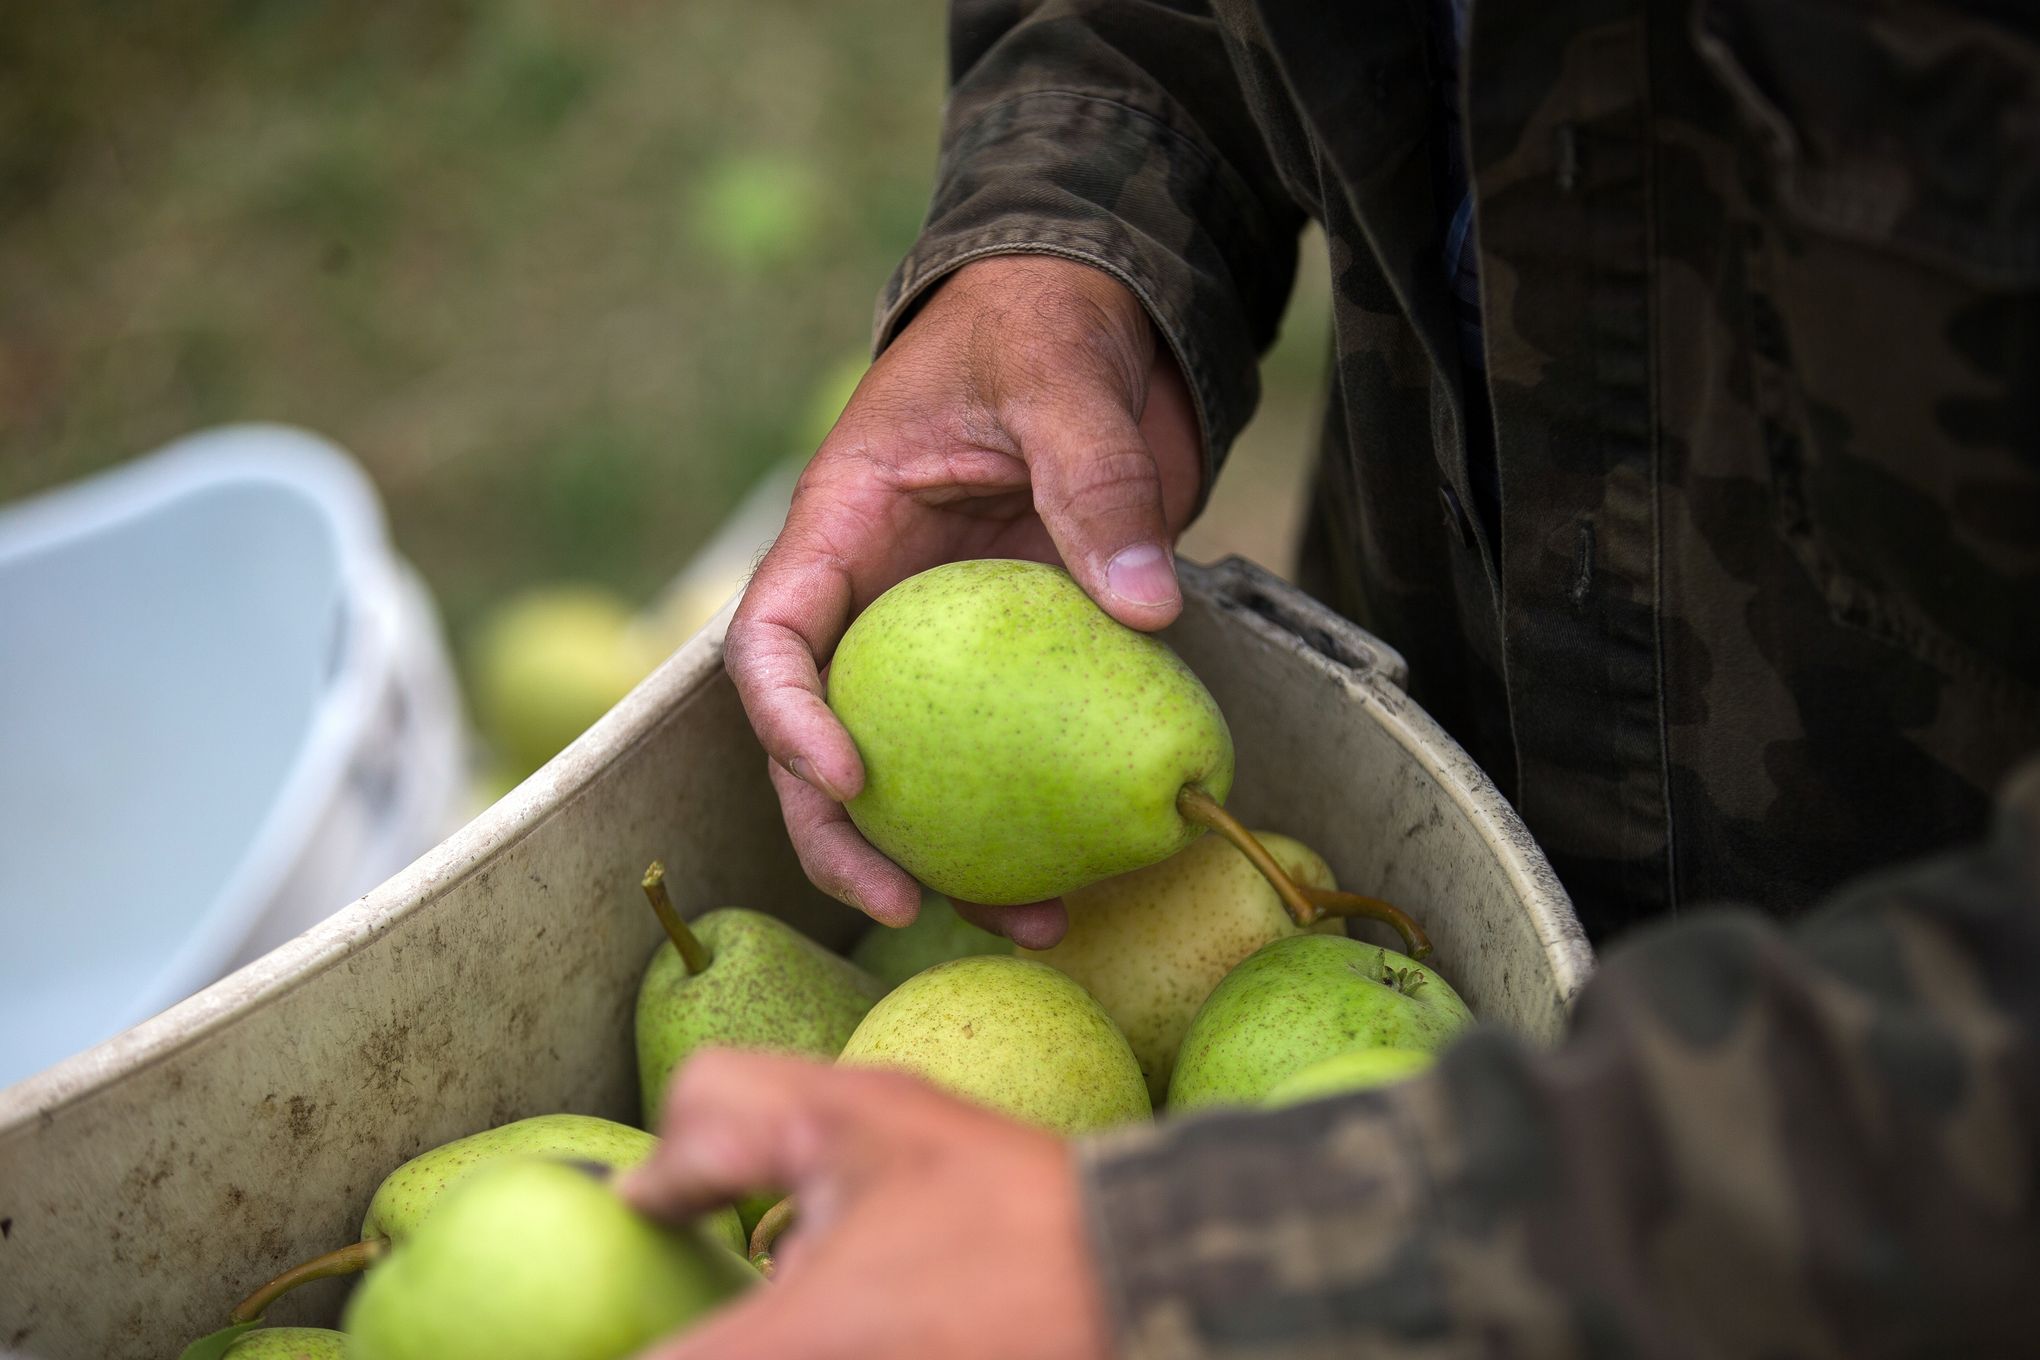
{"x": 148, "y": 1184}
{"x": 225, "y": 712}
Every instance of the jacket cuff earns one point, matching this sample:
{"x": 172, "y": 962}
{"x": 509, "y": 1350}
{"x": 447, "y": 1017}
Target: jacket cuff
{"x": 1096, "y": 180}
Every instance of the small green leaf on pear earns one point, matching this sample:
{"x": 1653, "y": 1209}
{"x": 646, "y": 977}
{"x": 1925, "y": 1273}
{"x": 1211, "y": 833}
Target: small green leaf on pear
{"x": 219, "y": 1343}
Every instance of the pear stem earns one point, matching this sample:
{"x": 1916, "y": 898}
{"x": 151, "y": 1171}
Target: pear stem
{"x": 771, "y": 1223}
{"x": 348, "y": 1260}
{"x": 1307, "y": 906}
{"x": 693, "y": 953}
{"x": 1332, "y": 902}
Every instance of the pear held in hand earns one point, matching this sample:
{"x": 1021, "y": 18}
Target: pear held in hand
{"x": 408, "y": 1195}
{"x": 1011, "y": 1034}
{"x": 1301, "y": 999}
{"x": 1359, "y": 1069}
{"x": 1017, "y": 740}
{"x": 538, "y": 1260}
{"x": 739, "y": 979}
{"x": 1152, "y": 944}
{"x": 894, "y": 954}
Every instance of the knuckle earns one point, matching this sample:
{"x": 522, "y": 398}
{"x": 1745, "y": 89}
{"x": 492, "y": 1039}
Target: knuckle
{"x": 1103, "y": 482}
{"x": 1120, "y": 474}
{"x": 744, "y": 646}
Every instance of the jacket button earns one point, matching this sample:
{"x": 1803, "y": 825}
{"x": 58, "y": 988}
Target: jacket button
{"x": 1455, "y": 515}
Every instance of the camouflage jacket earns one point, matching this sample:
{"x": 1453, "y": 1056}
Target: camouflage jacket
{"x": 1758, "y": 611}
{"x": 1753, "y": 1144}
{"x": 1762, "y": 305}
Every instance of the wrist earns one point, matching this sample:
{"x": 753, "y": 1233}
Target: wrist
{"x": 1052, "y": 301}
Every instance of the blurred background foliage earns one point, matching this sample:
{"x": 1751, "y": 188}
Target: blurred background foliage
{"x": 567, "y": 278}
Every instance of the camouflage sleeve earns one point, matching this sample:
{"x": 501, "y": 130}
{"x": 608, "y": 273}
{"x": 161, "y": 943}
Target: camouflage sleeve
{"x": 1114, "y": 132}
{"x": 1821, "y": 1142}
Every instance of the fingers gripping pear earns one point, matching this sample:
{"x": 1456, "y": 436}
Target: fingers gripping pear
{"x": 1017, "y": 740}
{"x": 411, "y": 1194}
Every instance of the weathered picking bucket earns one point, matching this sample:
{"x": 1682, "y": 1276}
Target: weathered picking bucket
{"x": 148, "y": 1183}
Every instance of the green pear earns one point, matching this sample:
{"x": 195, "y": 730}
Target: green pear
{"x": 410, "y": 1195}
{"x": 1017, "y": 741}
{"x": 753, "y": 212}
{"x": 1011, "y": 1034}
{"x": 1151, "y": 945}
{"x": 289, "y": 1343}
{"x": 538, "y": 1260}
{"x": 1359, "y": 1069}
{"x": 1299, "y": 999}
{"x": 739, "y": 979}
{"x": 547, "y": 664}
{"x": 894, "y": 954}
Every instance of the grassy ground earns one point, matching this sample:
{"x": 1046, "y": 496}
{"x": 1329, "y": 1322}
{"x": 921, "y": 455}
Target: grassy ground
{"x": 565, "y": 277}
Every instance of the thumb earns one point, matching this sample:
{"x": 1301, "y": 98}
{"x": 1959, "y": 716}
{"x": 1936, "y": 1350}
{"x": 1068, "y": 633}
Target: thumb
{"x": 740, "y": 1122}
{"x": 736, "y": 1123}
{"x": 1098, "y": 492}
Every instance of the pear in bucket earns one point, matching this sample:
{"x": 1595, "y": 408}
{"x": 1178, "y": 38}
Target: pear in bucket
{"x": 539, "y": 1260}
{"x": 410, "y": 1195}
{"x": 739, "y": 979}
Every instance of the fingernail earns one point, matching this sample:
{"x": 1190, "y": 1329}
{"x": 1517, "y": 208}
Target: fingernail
{"x": 1142, "y": 574}
{"x": 805, "y": 773}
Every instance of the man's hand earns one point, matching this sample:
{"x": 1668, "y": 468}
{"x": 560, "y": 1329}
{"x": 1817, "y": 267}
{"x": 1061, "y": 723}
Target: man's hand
{"x": 1026, "y": 412}
{"x": 927, "y": 1229}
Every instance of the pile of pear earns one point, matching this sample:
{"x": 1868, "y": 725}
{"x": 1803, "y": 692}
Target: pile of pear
{"x": 1197, "y": 971}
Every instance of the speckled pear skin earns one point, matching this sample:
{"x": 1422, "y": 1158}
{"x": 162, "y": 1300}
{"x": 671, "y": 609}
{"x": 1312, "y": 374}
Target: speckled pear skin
{"x": 411, "y": 1192}
{"x": 1018, "y": 741}
{"x": 767, "y": 987}
{"x": 1010, "y": 1034}
{"x": 1152, "y": 944}
{"x": 1301, "y": 999}
{"x": 937, "y": 935}
{"x": 538, "y": 1260}
{"x": 288, "y": 1343}
{"x": 1359, "y": 1069}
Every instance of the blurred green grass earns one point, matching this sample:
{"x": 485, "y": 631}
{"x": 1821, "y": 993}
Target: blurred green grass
{"x": 564, "y": 277}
